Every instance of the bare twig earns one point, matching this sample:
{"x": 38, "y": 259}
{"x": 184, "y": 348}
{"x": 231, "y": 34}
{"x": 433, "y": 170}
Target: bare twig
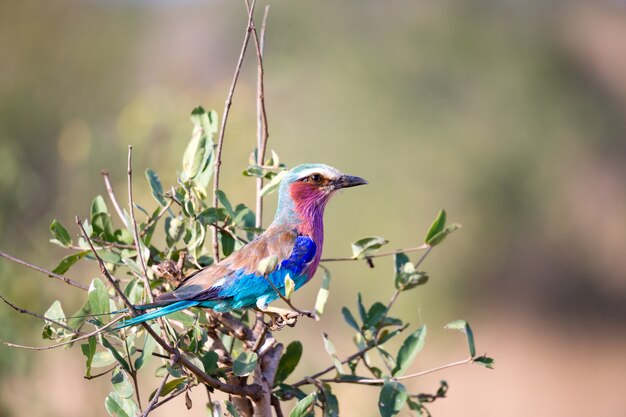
{"x": 220, "y": 138}
{"x": 155, "y": 399}
{"x": 350, "y": 358}
{"x": 131, "y": 208}
{"x": 262, "y": 130}
{"x": 58, "y": 345}
{"x": 378, "y": 255}
{"x": 39, "y": 316}
{"x": 156, "y": 219}
{"x": 109, "y": 187}
{"x": 45, "y": 271}
{"x": 288, "y": 301}
{"x": 378, "y": 381}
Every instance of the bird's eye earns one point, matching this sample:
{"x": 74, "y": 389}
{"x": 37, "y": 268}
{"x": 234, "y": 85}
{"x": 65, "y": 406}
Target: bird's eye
{"x": 316, "y": 178}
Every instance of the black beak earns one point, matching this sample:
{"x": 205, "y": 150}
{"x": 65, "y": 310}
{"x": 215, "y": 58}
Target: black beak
{"x": 346, "y": 181}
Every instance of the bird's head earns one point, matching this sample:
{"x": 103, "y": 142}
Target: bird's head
{"x": 306, "y": 189}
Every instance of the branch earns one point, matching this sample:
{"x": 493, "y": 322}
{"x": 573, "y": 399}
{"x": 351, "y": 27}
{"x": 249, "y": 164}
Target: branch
{"x": 379, "y": 255}
{"x": 155, "y": 399}
{"x": 142, "y": 261}
{"x": 367, "y": 381}
{"x": 252, "y": 391}
{"x": 39, "y": 316}
{"x": 220, "y": 140}
{"x": 58, "y": 345}
{"x": 45, "y": 271}
{"x": 107, "y": 184}
{"x": 262, "y": 130}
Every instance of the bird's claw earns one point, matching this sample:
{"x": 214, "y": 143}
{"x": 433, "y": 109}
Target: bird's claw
{"x": 280, "y": 320}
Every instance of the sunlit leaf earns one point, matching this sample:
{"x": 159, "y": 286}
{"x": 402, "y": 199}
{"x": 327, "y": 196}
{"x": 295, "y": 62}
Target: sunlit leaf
{"x": 374, "y": 315}
{"x": 98, "y": 297}
{"x": 302, "y": 407}
{"x": 121, "y": 383}
{"x": 273, "y": 184}
{"x": 267, "y": 265}
{"x": 439, "y": 237}
{"x": 290, "y": 287}
{"x": 226, "y": 203}
{"x": 332, "y": 352}
{"x": 367, "y": 246}
{"x": 464, "y": 326}
{"x": 118, "y": 406}
{"x": 323, "y": 293}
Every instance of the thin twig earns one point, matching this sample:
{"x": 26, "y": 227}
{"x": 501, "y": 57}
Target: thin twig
{"x": 262, "y": 130}
{"x": 156, "y": 218}
{"x": 350, "y": 358}
{"x": 378, "y": 255}
{"x": 103, "y": 373}
{"x": 58, "y": 345}
{"x": 109, "y": 187}
{"x": 155, "y": 399}
{"x": 379, "y": 381}
{"x": 45, "y": 271}
{"x": 220, "y": 140}
{"x": 39, "y": 316}
{"x": 131, "y": 207}
{"x": 288, "y": 301}
{"x": 133, "y": 374}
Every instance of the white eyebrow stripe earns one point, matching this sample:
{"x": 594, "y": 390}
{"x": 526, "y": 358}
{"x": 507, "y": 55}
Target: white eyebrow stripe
{"x": 330, "y": 174}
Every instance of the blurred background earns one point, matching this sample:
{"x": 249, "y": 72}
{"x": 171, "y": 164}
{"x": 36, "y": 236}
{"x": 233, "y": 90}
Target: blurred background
{"x": 509, "y": 114}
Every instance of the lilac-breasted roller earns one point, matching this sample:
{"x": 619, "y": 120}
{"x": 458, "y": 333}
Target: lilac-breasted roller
{"x": 295, "y": 239}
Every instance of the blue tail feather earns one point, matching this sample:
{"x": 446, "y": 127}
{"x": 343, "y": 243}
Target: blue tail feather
{"x": 161, "y": 311}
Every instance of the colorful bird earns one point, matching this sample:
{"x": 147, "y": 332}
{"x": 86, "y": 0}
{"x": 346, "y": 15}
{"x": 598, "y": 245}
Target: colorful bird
{"x": 294, "y": 241}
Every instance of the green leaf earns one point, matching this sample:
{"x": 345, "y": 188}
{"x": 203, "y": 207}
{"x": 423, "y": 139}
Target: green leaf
{"x": 101, "y": 220}
{"x": 437, "y": 226}
{"x": 374, "y": 315}
{"x": 464, "y": 326}
{"x": 362, "y": 312}
{"x": 156, "y": 187}
{"x": 349, "y": 318}
{"x": 410, "y": 348}
{"x": 224, "y": 200}
{"x": 174, "y": 230}
{"x": 119, "y": 358}
{"x": 228, "y": 244}
{"x": 231, "y": 409}
{"x": 245, "y": 363}
{"x": 288, "y": 361}
{"x": 330, "y": 348}
{"x": 392, "y": 397}
{"x": 273, "y": 184}
{"x": 55, "y": 312}
{"x": 89, "y": 350}
{"x": 120, "y": 407}
{"x": 367, "y": 246}
{"x": 331, "y": 405}
{"x": 121, "y": 383}
{"x": 102, "y": 359}
{"x": 61, "y": 235}
{"x": 208, "y": 216}
{"x": 386, "y": 335}
{"x": 302, "y": 407}
{"x": 196, "y": 154}
{"x": 209, "y": 361}
{"x": 439, "y": 237}
{"x": 323, "y": 293}
{"x": 148, "y": 347}
{"x": 67, "y": 262}
{"x": 485, "y": 361}
{"x": 98, "y": 297}
{"x": 171, "y": 386}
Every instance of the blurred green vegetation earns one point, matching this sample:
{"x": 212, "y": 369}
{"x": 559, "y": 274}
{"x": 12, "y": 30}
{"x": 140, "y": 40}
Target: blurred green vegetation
{"x": 493, "y": 110}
